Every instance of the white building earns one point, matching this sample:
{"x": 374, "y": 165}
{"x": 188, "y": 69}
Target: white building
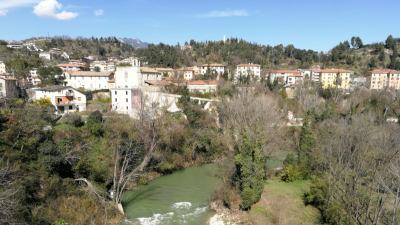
{"x": 248, "y": 70}
{"x": 64, "y": 99}
{"x": 88, "y": 80}
{"x": 2, "y": 68}
{"x": 45, "y": 55}
{"x": 8, "y": 87}
{"x": 186, "y": 73}
{"x": 34, "y": 77}
{"x": 202, "y": 86}
{"x": 384, "y": 78}
{"x": 213, "y": 68}
{"x": 126, "y": 94}
{"x": 286, "y": 77}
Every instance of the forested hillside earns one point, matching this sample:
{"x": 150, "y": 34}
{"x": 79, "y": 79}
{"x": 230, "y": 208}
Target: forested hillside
{"x": 349, "y": 54}
{"x": 352, "y": 54}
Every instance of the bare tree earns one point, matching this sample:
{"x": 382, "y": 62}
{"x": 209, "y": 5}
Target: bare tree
{"x": 8, "y": 203}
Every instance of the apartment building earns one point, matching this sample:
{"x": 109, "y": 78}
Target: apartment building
{"x": 248, "y": 70}
{"x": 384, "y": 78}
{"x": 88, "y": 80}
{"x": 64, "y": 99}
{"x": 213, "y": 68}
{"x": 33, "y": 77}
{"x": 286, "y": 77}
{"x": 335, "y": 78}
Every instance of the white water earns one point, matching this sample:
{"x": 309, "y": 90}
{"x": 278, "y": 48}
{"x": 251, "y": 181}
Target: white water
{"x": 181, "y": 213}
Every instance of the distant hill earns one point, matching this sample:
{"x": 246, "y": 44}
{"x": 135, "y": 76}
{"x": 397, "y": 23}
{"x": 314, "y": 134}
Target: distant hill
{"x": 347, "y": 54}
{"x": 134, "y": 42}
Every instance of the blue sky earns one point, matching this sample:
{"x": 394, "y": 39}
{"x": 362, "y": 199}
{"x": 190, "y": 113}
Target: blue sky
{"x": 309, "y": 24}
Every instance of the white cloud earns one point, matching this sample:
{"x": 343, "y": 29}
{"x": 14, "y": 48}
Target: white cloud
{"x": 6, "y": 5}
{"x": 51, "y": 9}
{"x": 3, "y": 12}
{"x": 98, "y": 12}
{"x": 225, "y": 13}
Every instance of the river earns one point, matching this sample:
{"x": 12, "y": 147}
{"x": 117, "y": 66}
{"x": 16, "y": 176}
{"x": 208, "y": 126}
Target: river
{"x": 179, "y": 198}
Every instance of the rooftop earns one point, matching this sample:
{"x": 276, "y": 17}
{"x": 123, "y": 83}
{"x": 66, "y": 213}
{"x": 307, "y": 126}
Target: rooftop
{"x": 333, "y": 70}
{"x": 248, "y": 65}
{"x": 383, "y": 71}
{"x": 202, "y": 82}
{"x": 89, "y": 74}
{"x": 148, "y": 70}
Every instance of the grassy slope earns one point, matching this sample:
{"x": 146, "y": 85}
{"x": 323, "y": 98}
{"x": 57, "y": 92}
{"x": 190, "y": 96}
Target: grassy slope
{"x": 281, "y": 203}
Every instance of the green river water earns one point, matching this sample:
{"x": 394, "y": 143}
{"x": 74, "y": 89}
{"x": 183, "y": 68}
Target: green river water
{"x": 179, "y": 198}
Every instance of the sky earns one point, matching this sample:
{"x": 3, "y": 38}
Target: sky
{"x": 307, "y": 24}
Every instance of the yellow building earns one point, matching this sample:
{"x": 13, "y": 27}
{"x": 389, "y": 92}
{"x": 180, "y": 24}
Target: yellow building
{"x": 335, "y": 78}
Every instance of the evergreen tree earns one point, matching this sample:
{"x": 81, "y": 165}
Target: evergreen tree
{"x": 250, "y": 168}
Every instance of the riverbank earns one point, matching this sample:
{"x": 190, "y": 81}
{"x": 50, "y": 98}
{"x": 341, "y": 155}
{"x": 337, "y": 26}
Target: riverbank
{"x": 281, "y": 203}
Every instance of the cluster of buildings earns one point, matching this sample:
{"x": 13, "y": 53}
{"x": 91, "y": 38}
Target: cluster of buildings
{"x": 130, "y": 85}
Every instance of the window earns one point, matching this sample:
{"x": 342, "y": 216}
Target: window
{"x": 115, "y": 92}
{"x": 79, "y": 98}
{"x": 115, "y": 99}
{"x": 126, "y": 92}
{"x": 70, "y": 107}
{"x": 127, "y": 107}
{"x": 126, "y": 100}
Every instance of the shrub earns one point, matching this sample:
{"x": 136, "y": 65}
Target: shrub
{"x": 73, "y": 119}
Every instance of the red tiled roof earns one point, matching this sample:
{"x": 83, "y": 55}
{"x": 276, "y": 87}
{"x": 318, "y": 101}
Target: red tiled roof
{"x": 383, "y": 71}
{"x": 333, "y": 70}
{"x": 248, "y": 65}
{"x": 202, "y": 82}
{"x": 213, "y": 65}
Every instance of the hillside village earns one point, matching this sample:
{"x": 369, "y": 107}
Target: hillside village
{"x": 285, "y": 132}
{"x": 138, "y": 80}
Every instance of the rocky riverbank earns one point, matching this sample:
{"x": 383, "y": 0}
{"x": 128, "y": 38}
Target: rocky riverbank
{"x": 225, "y": 216}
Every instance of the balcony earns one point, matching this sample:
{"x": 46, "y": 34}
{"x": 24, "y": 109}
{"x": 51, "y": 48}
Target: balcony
{"x": 64, "y": 100}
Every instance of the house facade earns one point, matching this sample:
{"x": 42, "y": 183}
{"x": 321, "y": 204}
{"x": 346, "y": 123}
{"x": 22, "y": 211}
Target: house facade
{"x": 202, "y": 86}
{"x": 88, "y": 80}
{"x": 186, "y": 73}
{"x": 384, "y": 78}
{"x": 248, "y": 70}
{"x": 8, "y": 87}
{"x": 286, "y": 77}
{"x": 64, "y": 99}
{"x": 213, "y": 68}
{"x": 150, "y": 74}
{"x": 126, "y": 93}
{"x": 34, "y": 77}
{"x": 335, "y": 78}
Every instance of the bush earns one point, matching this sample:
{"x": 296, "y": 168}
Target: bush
{"x": 291, "y": 173}
{"x": 73, "y": 119}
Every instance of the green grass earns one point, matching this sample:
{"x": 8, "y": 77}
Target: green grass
{"x": 281, "y": 203}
